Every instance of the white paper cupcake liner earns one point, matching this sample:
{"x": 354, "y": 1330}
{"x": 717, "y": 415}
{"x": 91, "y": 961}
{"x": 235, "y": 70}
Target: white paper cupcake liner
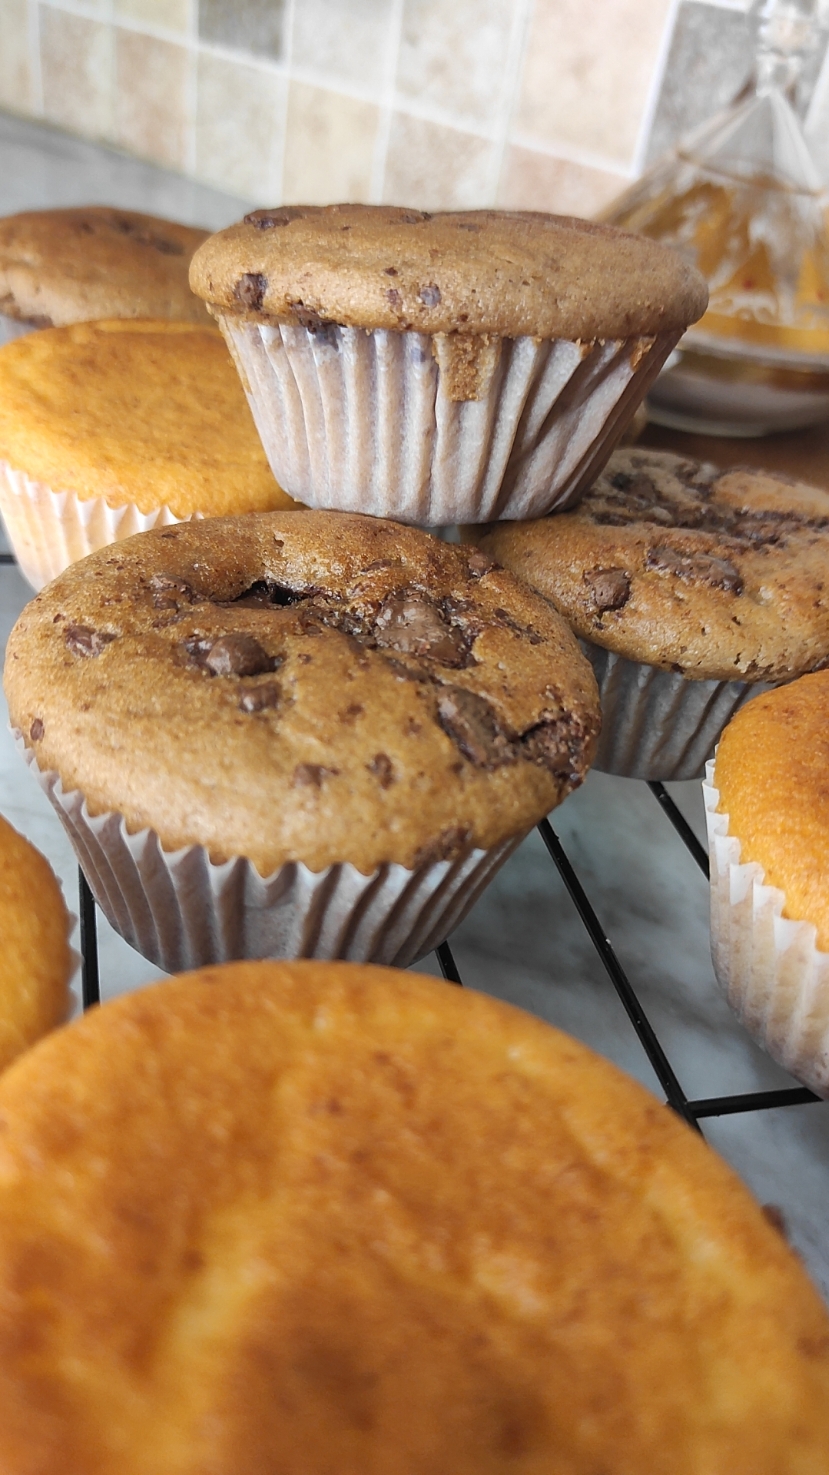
{"x": 11, "y": 328}
{"x": 182, "y": 911}
{"x": 361, "y": 421}
{"x": 774, "y": 975}
{"x": 48, "y": 530}
{"x": 657, "y": 724}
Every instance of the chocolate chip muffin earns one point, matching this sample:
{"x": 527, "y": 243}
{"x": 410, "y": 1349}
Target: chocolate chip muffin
{"x": 70, "y": 266}
{"x": 442, "y": 368}
{"x": 312, "y": 1217}
{"x": 36, "y": 961}
{"x": 109, "y": 428}
{"x": 339, "y": 701}
{"x": 690, "y": 588}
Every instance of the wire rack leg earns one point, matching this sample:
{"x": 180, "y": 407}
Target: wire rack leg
{"x": 90, "y": 979}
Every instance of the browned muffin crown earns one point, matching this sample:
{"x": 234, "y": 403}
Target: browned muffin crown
{"x": 715, "y": 574}
{"x": 94, "y": 261}
{"x": 304, "y": 686}
{"x": 499, "y": 272}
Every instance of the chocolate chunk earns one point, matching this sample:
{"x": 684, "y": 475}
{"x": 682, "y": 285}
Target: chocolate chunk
{"x": 390, "y": 271}
{"x": 393, "y": 297}
{"x": 472, "y": 723}
{"x": 270, "y": 219}
{"x": 250, "y": 289}
{"x": 450, "y": 844}
{"x": 480, "y": 563}
{"x": 258, "y": 698}
{"x": 85, "y": 642}
{"x": 267, "y": 594}
{"x": 311, "y": 775}
{"x": 382, "y": 768}
{"x": 412, "y": 623}
{"x": 702, "y": 568}
{"x": 430, "y": 294}
{"x": 237, "y": 655}
{"x": 309, "y": 318}
{"x": 36, "y": 730}
{"x": 610, "y": 587}
{"x": 195, "y": 649}
{"x": 170, "y": 593}
{"x": 551, "y": 744}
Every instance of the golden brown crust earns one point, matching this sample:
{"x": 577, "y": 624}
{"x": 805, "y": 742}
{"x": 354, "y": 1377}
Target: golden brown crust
{"x": 771, "y": 772}
{"x": 69, "y": 266}
{"x": 377, "y": 695}
{"x": 144, "y": 413}
{"x": 35, "y": 958}
{"x": 717, "y": 575}
{"x": 473, "y": 272}
{"x": 318, "y": 1218}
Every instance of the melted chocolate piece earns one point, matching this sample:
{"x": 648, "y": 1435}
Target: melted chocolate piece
{"x": 382, "y": 768}
{"x": 480, "y": 563}
{"x": 36, "y": 730}
{"x": 610, "y": 587}
{"x": 271, "y": 219}
{"x": 170, "y": 593}
{"x": 309, "y": 318}
{"x": 250, "y": 289}
{"x": 267, "y": 594}
{"x": 237, "y": 655}
{"x": 259, "y": 698}
{"x": 472, "y": 724}
{"x": 82, "y": 641}
{"x": 311, "y": 775}
{"x": 696, "y": 568}
{"x": 450, "y": 844}
{"x": 412, "y": 623}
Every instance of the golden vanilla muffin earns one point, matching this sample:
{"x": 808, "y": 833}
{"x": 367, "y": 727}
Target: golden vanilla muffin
{"x": 438, "y": 368}
{"x": 302, "y": 689}
{"x": 108, "y": 427}
{"x": 94, "y": 261}
{"x": 689, "y": 587}
{"x": 768, "y": 819}
{"x": 322, "y": 1218}
{"x": 36, "y": 961}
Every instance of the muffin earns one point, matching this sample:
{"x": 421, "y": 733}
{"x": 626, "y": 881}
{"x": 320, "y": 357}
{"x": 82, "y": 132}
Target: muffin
{"x": 441, "y": 368}
{"x": 767, "y": 808}
{"x": 110, "y": 428}
{"x": 37, "y": 961}
{"x": 690, "y": 588}
{"x": 315, "y": 1217}
{"x": 296, "y": 734}
{"x": 69, "y": 266}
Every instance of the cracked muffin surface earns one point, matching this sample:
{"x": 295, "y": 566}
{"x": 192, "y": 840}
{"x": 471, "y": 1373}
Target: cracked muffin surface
{"x": 712, "y": 574}
{"x": 304, "y": 686}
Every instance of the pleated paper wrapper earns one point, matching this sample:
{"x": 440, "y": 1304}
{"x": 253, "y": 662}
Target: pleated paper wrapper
{"x": 657, "y": 724}
{"x": 774, "y": 975}
{"x": 182, "y": 911}
{"x": 48, "y": 530}
{"x": 361, "y": 421}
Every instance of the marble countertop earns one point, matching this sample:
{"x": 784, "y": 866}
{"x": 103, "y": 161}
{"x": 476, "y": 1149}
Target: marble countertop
{"x": 524, "y": 941}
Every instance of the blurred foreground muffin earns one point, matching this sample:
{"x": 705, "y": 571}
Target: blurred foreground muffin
{"x": 767, "y": 805}
{"x": 690, "y": 589}
{"x": 110, "y": 428}
{"x": 317, "y": 1218}
{"x": 93, "y": 261}
{"x": 36, "y": 961}
{"x": 457, "y": 367}
{"x": 296, "y": 734}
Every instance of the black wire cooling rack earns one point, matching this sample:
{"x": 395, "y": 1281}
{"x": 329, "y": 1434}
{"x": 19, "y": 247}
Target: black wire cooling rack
{"x": 691, "y": 1111}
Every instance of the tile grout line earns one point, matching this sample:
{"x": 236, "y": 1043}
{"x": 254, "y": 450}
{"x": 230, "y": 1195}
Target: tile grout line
{"x": 387, "y": 104}
{"x": 33, "y": 49}
{"x": 277, "y": 165}
{"x": 512, "y": 80}
{"x": 191, "y": 90}
{"x": 654, "y": 90}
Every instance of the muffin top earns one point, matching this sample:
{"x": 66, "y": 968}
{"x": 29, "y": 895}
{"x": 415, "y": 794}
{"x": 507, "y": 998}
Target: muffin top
{"x": 148, "y": 413}
{"x": 770, "y": 771}
{"x": 68, "y": 266}
{"x": 307, "y": 686}
{"x": 37, "y": 961}
{"x": 355, "y": 1213}
{"x": 505, "y": 272}
{"x": 713, "y": 574}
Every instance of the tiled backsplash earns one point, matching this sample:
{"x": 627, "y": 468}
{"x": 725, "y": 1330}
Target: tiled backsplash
{"x": 546, "y": 104}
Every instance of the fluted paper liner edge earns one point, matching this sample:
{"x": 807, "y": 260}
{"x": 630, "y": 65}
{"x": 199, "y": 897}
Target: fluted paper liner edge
{"x": 774, "y": 976}
{"x": 656, "y": 724}
{"x": 359, "y": 420}
{"x": 48, "y": 530}
{"x": 180, "y": 910}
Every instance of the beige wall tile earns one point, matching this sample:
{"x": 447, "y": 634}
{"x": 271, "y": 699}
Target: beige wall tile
{"x": 15, "y": 68}
{"x": 435, "y": 168}
{"x": 329, "y": 146}
{"x": 76, "y": 67}
{"x": 346, "y": 41}
{"x": 587, "y": 70}
{"x": 533, "y": 181}
{"x": 171, "y": 15}
{"x": 452, "y": 54}
{"x": 238, "y": 126}
{"x": 150, "y": 97}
